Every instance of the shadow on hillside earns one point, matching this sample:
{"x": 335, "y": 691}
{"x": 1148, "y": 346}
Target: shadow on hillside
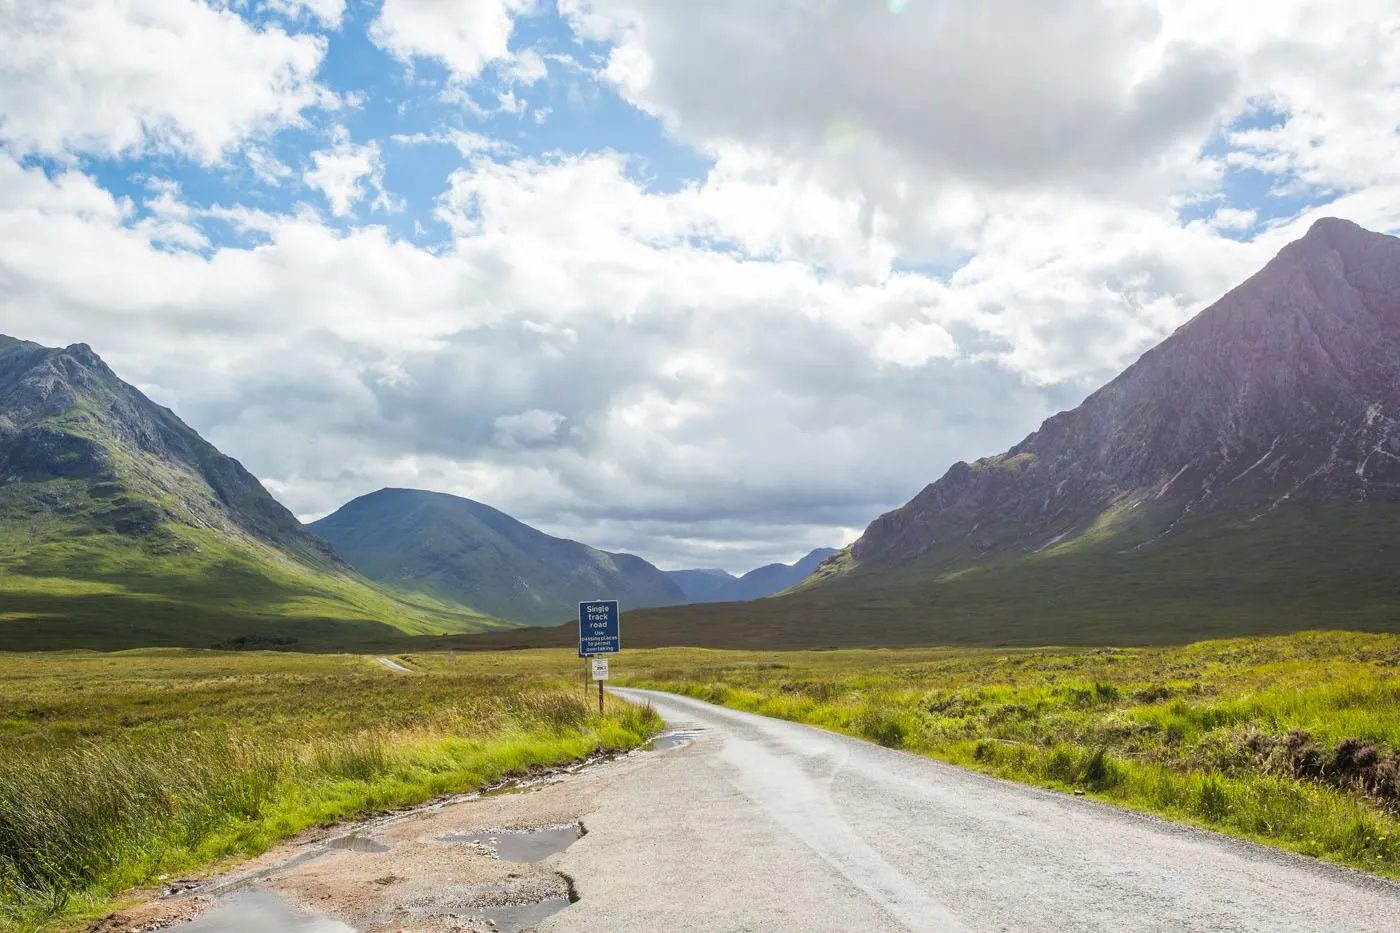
{"x": 110, "y": 622}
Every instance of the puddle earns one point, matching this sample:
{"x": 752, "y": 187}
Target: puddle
{"x": 506, "y": 790}
{"x": 518, "y": 917}
{"x": 355, "y": 843}
{"x": 317, "y": 850}
{"x": 521, "y": 845}
{"x": 261, "y": 911}
{"x": 676, "y": 739}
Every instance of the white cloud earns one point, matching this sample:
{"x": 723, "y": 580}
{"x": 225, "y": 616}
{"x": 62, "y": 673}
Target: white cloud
{"x": 528, "y": 428}
{"x": 1003, "y": 92}
{"x": 329, "y": 12}
{"x": 265, "y": 166}
{"x": 527, "y": 68}
{"x": 934, "y": 114}
{"x": 464, "y": 35}
{"x": 464, "y": 141}
{"x": 347, "y": 173}
{"x": 915, "y": 344}
{"x": 1233, "y": 218}
{"x": 110, "y": 77}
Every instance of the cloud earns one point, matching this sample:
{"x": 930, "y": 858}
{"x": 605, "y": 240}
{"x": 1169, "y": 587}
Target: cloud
{"x": 464, "y": 141}
{"x": 328, "y": 12}
{"x": 1003, "y": 92}
{"x": 892, "y": 260}
{"x": 527, "y": 68}
{"x": 528, "y": 429}
{"x": 463, "y": 35}
{"x": 347, "y": 173}
{"x": 122, "y": 78}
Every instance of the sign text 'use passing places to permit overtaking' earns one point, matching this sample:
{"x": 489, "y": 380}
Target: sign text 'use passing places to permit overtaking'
{"x": 598, "y": 630}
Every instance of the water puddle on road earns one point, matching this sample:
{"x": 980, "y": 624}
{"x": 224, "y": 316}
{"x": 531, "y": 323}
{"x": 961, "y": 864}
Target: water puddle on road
{"x": 506, "y": 790}
{"x": 262, "y": 911}
{"x": 518, "y": 917}
{"x": 531, "y": 845}
{"x": 673, "y": 739}
{"x": 355, "y": 843}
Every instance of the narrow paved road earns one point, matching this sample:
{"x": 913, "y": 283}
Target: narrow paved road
{"x": 764, "y": 825}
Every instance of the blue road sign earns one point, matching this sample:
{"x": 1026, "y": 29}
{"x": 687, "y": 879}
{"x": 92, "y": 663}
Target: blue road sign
{"x": 598, "y": 630}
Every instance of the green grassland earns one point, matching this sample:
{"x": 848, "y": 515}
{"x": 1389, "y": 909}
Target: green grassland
{"x": 1292, "y": 741}
{"x": 69, "y": 578}
{"x": 124, "y": 766}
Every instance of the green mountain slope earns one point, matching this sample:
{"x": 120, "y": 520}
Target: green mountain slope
{"x": 462, "y": 551}
{"x": 120, "y": 526}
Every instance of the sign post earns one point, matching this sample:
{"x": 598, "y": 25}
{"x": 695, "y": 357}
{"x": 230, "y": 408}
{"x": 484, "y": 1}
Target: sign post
{"x": 600, "y": 674}
{"x": 599, "y": 633}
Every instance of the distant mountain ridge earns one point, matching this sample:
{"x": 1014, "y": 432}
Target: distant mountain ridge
{"x": 119, "y": 523}
{"x": 720, "y": 586}
{"x": 464, "y": 551}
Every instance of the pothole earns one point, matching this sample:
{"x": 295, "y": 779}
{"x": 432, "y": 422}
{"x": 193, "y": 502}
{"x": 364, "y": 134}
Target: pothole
{"x": 521, "y": 845}
{"x": 355, "y": 843}
{"x": 518, "y": 917}
{"x": 253, "y": 909}
{"x": 673, "y": 739}
{"x": 512, "y": 907}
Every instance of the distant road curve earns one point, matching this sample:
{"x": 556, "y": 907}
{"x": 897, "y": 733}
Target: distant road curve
{"x": 395, "y": 665}
{"x": 766, "y": 825}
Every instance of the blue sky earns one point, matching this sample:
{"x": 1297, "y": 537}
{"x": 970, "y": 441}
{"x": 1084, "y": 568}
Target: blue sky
{"x": 569, "y": 111}
{"x": 715, "y": 283}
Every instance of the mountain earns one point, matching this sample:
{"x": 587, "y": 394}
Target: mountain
{"x": 119, "y": 525}
{"x": 704, "y": 586}
{"x": 1242, "y": 477}
{"x": 719, "y": 586}
{"x": 1286, "y": 391}
{"x": 462, "y": 551}
{"x": 774, "y": 578}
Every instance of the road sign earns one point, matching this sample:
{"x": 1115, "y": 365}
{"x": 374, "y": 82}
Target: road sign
{"x": 598, "y": 631}
{"x": 600, "y": 668}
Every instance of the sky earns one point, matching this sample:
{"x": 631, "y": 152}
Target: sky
{"x": 710, "y": 282}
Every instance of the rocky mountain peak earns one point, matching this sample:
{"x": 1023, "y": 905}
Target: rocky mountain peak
{"x": 64, "y": 415}
{"x": 1286, "y": 389}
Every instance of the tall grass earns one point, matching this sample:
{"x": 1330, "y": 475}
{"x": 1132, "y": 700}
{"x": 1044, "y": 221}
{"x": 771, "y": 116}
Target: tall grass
{"x": 102, "y": 812}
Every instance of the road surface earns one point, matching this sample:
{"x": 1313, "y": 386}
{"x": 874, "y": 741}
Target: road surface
{"x": 766, "y": 825}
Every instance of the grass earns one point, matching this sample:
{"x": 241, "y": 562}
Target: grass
{"x": 1292, "y": 741}
{"x": 122, "y": 767}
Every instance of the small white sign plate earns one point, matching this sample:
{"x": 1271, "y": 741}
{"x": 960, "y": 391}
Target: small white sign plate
{"x": 600, "y": 668}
